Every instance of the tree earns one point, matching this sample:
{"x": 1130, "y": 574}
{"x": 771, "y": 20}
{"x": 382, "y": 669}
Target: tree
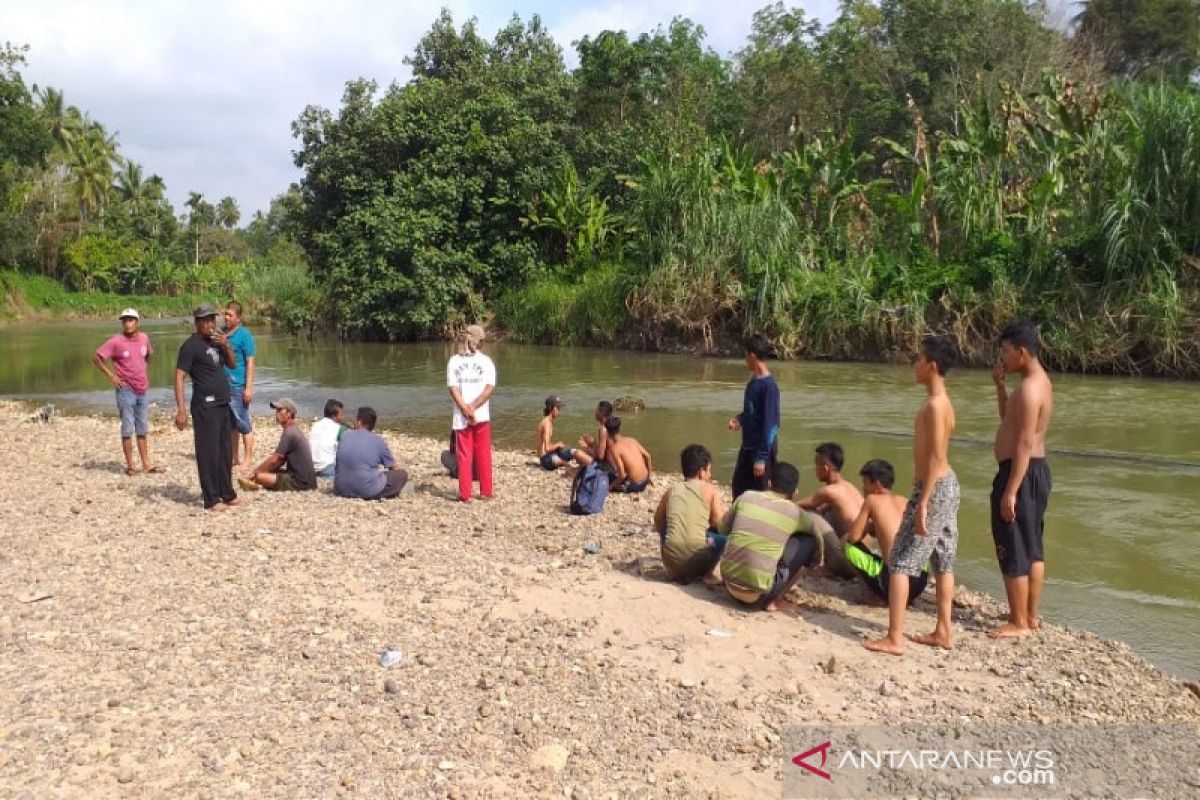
{"x": 1145, "y": 38}
{"x": 412, "y": 204}
{"x": 227, "y": 213}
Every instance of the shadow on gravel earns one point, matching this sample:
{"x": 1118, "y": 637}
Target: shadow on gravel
{"x": 171, "y": 491}
{"x": 114, "y": 467}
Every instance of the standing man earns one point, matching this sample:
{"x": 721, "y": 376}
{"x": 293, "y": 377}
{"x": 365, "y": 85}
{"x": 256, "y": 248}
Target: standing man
{"x": 241, "y": 381}
{"x": 929, "y": 527}
{"x": 471, "y": 379}
{"x": 1021, "y": 489}
{"x": 129, "y": 351}
{"x": 201, "y": 357}
{"x": 758, "y": 422}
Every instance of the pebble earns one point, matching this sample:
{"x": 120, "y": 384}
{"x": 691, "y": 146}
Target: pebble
{"x": 390, "y": 687}
{"x": 551, "y": 757}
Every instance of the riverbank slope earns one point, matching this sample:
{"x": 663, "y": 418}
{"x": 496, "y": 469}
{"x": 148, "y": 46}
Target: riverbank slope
{"x": 152, "y": 648}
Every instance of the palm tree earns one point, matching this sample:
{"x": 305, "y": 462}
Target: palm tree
{"x": 228, "y": 213}
{"x": 202, "y": 216}
{"x": 90, "y": 164}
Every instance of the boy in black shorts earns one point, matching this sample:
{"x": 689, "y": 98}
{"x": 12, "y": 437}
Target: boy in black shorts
{"x": 1021, "y": 489}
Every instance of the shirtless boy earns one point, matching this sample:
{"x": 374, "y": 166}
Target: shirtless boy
{"x": 1021, "y": 489}
{"x": 552, "y": 454}
{"x": 929, "y": 527}
{"x": 628, "y": 458}
{"x": 881, "y": 514}
{"x": 838, "y": 501}
{"x": 597, "y": 446}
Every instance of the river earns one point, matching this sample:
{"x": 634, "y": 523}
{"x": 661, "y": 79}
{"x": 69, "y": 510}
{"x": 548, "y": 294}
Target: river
{"x": 1122, "y": 541}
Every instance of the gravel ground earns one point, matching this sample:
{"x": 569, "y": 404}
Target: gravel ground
{"x": 150, "y": 648}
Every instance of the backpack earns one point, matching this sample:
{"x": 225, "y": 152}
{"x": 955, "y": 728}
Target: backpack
{"x": 589, "y": 490}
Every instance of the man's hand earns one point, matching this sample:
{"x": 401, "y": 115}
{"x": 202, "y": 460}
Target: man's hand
{"x": 735, "y": 425}
{"x": 1008, "y": 506}
{"x": 118, "y": 383}
{"x": 919, "y": 518}
{"x": 760, "y": 468}
{"x": 247, "y": 395}
{"x": 219, "y": 339}
{"x": 181, "y": 419}
{"x": 998, "y": 374}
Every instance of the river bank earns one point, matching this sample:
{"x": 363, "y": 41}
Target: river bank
{"x": 153, "y": 648}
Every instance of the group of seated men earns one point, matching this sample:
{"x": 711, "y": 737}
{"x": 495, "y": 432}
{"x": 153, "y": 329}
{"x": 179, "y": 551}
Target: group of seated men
{"x": 357, "y": 459}
{"x": 758, "y": 546}
{"x": 625, "y": 456}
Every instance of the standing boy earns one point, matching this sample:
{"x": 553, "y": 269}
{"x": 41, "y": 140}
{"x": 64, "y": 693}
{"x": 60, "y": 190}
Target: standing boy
{"x": 1021, "y": 489}
{"x": 201, "y": 358}
{"x": 929, "y": 528}
{"x": 758, "y": 422}
{"x": 241, "y": 381}
{"x": 129, "y": 351}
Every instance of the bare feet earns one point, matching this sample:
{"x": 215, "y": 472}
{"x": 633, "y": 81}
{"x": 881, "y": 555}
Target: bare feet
{"x": 885, "y": 645}
{"x": 153, "y": 469}
{"x": 935, "y": 639}
{"x": 237, "y": 501}
{"x": 219, "y": 507}
{"x": 782, "y": 605}
{"x": 1009, "y": 631}
{"x": 712, "y": 580}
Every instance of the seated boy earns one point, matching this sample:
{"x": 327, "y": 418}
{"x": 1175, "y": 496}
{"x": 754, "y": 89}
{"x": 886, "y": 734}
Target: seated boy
{"x": 552, "y": 454}
{"x": 686, "y": 518}
{"x": 597, "y": 446}
{"x": 629, "y": 460}
{"x": 770, "y": 540}
{"x": 881, "y": 514}
{"x": 323, "y": 439}
{"x": 365, "y": 467}
{"x": 838, "y": 501}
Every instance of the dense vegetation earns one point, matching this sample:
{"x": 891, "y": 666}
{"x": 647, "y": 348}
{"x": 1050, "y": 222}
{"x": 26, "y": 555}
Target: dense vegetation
{"x": 77, "y": 215}
{"x": 914, "y": 165}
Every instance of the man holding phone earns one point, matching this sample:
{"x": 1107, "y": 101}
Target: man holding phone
{"x": 203, "y": 357}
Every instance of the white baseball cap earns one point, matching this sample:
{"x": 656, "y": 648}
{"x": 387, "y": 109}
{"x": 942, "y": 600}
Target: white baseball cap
{"x": 130, "y": 312}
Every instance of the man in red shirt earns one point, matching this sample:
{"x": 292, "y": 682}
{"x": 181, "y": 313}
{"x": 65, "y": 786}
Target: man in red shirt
{"x": 129, "y": 351}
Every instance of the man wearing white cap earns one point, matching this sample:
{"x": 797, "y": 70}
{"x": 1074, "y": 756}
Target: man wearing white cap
{"x": 129, "y": 351}
{"x": 471, "y": 378}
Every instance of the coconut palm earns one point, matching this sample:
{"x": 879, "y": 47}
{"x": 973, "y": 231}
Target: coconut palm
{"x": 228, "y": 213}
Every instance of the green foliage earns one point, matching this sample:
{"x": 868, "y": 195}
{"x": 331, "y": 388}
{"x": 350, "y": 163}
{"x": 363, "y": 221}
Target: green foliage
{"x": 1145, "y": 38}
{"x": 414, "y": 203}
{"x": 552, "y": 311}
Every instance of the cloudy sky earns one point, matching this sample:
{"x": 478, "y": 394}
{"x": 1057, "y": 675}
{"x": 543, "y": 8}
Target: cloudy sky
{"x": 203, "y": 94}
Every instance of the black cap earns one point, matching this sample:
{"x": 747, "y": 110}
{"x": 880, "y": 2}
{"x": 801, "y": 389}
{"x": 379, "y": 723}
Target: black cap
{"x": 204, "y": 310}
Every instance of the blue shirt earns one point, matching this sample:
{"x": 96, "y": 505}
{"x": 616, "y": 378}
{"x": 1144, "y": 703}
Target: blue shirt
{"x": 760, "y": 416}
{"x": 242, "y": 344}
{"x": 360, "y": 454}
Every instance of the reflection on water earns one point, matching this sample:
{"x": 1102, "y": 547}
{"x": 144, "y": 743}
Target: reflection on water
{"x": 1121, "y": 538}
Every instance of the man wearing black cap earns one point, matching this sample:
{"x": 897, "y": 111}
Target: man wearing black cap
{"x": 202, "y": 357}
{"x": 290, "y": 467}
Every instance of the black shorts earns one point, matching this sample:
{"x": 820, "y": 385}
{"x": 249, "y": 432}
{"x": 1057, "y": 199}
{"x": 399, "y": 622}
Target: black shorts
{"x": 1019, "y": 543}
{"x": 800, "y": 551}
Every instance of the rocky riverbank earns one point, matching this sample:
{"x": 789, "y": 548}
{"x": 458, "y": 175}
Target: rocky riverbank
{"x": 149, "y": 648}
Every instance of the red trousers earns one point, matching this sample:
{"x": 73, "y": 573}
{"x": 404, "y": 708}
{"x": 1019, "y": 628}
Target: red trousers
{"x": 473, "y": 448}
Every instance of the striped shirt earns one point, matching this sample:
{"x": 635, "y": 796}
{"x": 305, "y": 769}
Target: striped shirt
{"x": 758, "y": 525}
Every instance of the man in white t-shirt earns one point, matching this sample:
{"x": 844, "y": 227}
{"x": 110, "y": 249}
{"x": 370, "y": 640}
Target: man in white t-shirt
{"x": 324, "y": 437}
{"x": 471, "y": 378}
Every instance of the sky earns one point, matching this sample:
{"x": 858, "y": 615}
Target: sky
{"x": 204, "y": 94}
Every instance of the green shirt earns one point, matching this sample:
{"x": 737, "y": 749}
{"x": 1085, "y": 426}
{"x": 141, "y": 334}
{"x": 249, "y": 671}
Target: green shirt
{"x": 758, "y": 526}
{"x": 685, "y": 550}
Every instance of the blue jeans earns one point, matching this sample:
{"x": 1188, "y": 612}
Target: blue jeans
{"x": 241, "y": 412}
{"x": 135, "y": 413}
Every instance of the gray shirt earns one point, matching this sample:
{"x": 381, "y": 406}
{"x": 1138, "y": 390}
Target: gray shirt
{"x": 360, "y": 454}
{"x": 297, "y": 457}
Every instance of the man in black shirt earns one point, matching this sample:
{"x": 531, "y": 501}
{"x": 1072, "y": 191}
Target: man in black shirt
{"x": 758, "y": 422}
{"x": 202, "y": 357}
